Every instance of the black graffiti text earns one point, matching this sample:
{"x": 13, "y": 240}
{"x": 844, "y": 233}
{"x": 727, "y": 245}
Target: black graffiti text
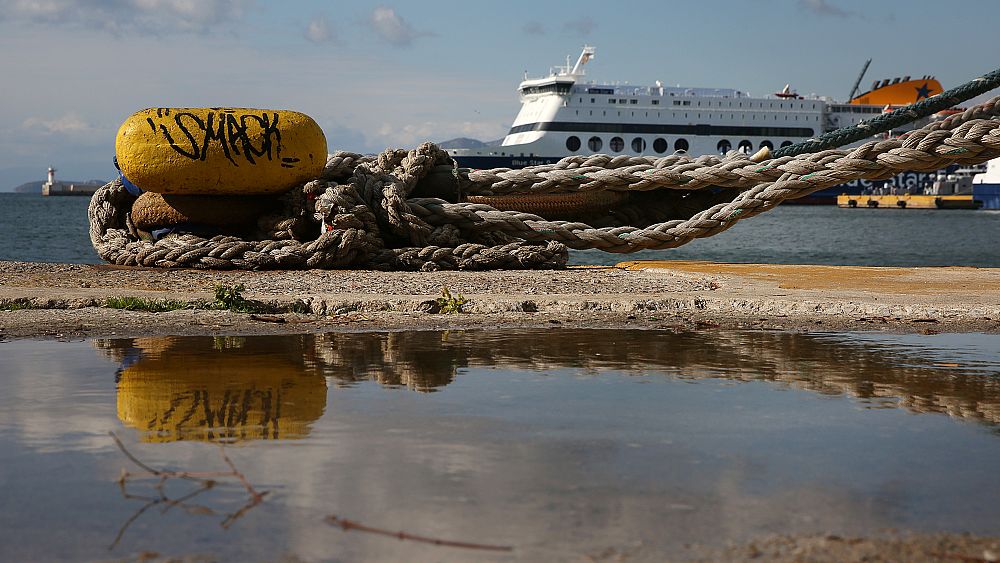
{"x": 242, "y": 137}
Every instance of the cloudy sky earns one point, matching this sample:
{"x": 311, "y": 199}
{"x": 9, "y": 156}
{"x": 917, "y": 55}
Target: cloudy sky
{"x": 375, "y": 75}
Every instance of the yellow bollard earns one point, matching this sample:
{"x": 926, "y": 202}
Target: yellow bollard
{"x": 219, "y": 151}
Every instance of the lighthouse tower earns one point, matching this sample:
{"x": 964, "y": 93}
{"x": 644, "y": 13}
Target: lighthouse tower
{"x": 49, "y": 187}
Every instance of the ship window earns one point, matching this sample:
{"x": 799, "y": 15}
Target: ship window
{"x": 573, "y": 143}
{"x": 656, "y": 102}
{"x": 724, "y": 146}
{"x": 660, "y": 145}
{"x": 681, "y": 145}
{"x": 611, "y": 100}
{"x": 617, "y": 144}
{"x": 633, "y": 101}
{"x": 767, "y": 144}
{"x": 622, "y": 101}
{"x": 638, "y": 144}
{"x": 595, "y": 143}
{"x": 677, "y": 102}
{"x": 745, "y": 146}
{"x": 592, "y": 100}
{"x": 786, "y": 144}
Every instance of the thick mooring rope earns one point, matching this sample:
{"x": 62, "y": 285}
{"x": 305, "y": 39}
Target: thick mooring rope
{"x": 370, "y": 220}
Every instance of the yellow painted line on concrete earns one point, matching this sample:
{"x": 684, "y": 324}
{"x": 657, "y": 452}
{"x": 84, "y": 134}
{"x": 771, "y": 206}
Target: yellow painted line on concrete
{"x": 863, "y": 278}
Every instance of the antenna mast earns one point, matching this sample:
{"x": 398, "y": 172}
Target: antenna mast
{"x": 857, "y": 82}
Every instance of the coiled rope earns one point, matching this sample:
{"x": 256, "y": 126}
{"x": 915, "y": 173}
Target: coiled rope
{"x": 370, "y": 220}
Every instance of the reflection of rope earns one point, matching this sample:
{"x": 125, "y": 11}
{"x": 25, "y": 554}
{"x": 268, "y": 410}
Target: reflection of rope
{"x": 424, "y": 361}
{"x": 373, "y": 221}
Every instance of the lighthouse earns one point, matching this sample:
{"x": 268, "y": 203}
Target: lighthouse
{"x": 52, "y": 175}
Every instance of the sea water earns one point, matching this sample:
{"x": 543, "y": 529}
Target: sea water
{"x": 54, "y": 229}
{"x": 561, "y": 445}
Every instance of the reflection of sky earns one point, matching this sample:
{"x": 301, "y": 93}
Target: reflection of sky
{"x": 559, "y": 462}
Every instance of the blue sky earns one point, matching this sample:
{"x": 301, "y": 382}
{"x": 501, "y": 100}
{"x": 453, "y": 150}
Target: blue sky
{"x": 375, "y": 75}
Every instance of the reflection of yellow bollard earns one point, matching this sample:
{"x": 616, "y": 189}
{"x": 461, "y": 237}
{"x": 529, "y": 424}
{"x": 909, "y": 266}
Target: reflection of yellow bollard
{"x": 228, "y": 394}
{"x": 219, "y": 151}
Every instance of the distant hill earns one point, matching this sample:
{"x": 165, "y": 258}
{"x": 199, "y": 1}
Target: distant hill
{"x": 467, "y": 143}
{"x": 462, "y": 143}
{"x": 36, "y": 186}
{"x": 30, "y": 187}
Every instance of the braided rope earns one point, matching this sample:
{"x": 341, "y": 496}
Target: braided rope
{"x": 369, "y": 219}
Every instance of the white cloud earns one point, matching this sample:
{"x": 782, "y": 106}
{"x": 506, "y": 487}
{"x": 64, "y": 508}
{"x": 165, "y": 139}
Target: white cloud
{"x": 150, "y": 16}
{"x": 318, "y": 30}
{"x": 393, "y": 28}
{"x": 69, "y": 123}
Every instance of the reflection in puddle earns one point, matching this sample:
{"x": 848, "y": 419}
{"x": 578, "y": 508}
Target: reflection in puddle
{"x": 217, "y": 389}
{"x": 564, "y": 444}
{"x": 229, "y": 388}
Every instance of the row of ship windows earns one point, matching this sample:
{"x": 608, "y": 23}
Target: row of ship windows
{"x": 660, "y": 145}
{"x": 732, "y": 116}
{"x": 655, "y": 102}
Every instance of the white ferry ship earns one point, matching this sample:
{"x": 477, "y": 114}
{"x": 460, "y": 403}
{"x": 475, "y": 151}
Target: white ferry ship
{"x": 563, "y": 114}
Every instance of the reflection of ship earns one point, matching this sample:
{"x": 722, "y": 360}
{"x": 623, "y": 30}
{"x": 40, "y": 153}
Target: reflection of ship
{"x": 563, "y": 115}
{"x": 228, "y": 389}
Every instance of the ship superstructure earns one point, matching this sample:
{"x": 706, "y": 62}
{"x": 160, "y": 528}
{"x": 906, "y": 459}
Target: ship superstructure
{"x": 563, "y": 114}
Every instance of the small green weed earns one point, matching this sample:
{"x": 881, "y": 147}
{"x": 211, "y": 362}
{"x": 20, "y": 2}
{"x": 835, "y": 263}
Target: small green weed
{"x": 133, "y": 303}
{"x": 230, "y": 297}
{"x": 16, "y": 305}
{"x": 448, "y": 303}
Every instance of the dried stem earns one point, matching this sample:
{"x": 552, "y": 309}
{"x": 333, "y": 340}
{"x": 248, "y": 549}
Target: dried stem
{"x": 348, "y": 525}
{"x": 206, "y": 479}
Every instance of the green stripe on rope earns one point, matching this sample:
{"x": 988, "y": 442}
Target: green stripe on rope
{"x": 901, "y": 116}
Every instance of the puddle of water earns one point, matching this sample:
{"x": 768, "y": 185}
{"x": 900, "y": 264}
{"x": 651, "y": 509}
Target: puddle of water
{"x": 562, "y": 444}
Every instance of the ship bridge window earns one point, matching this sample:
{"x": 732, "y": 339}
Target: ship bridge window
{"x": 573, "y": 143}
{"x": 745, "y": 146}
{"x": 617, "y": 144}
{"x": 557, "y": 88}
{"x": 638, "y": 144}
{"x": 724, "y": 146}
{"x": 660, "y": 145}
{"x": 681, "y": 145}
{"x": 594, "y": 144}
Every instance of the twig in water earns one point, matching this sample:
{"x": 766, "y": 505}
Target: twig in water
{"x": 348, "y": 525}
{"x": 206, "y": 480}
